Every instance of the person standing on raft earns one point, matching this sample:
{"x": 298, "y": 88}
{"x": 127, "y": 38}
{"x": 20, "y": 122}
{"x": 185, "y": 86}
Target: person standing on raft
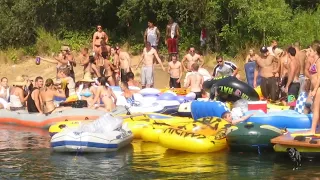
{"x": 172, "y": 37}
{"x": 147, "y": 70}
{"x": 124, "y": 63}
{"x": 195, "y": 81}
{"x": 175, "y": 71}
{"x": 265, "y": 67}
{"x": 293, "y": 85}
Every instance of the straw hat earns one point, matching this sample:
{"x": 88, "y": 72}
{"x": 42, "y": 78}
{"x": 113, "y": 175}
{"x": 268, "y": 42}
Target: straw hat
{"x": 20, "y": 81}
{"x": 87, "y": 78}
{"x": 65, "y": 48}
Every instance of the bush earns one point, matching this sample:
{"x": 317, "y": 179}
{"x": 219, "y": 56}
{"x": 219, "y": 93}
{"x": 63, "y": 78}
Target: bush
{"x": 46, "y": 42}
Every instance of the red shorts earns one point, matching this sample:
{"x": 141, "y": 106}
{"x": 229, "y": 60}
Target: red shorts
{"x": 172, "y": 45}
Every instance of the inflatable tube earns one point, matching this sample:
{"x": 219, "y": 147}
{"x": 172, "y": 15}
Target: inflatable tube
{"x": 210, "y": 82}
{"x": 42, "y": 121}
{"x": 251, "y": 137}
{"x": 181, "y": 140}
{"x": 167, "y": 96}
{"x": 249, "y": 69}
{"x": 149, "y": 91}
{"x": 178, "y": 91}
{"x": 151, "y": 133}
{"x": 236, "y": 89}
{"x": 281, "y": 119}
{"x": 200, "y": 109}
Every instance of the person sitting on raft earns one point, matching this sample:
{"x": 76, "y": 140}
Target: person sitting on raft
{"x": 33, "y": 101}
{"x": 17, "y": 98}
{"x": 129, "y": 95}
{"x": 227, "y": 116}
{"x": 68, "y": 83}
{"x": 195, "y": 81}
{"x": 131, "y": 81}
{"x": 106, "y": 95}
{"x": 86, "y": 90}
{"x": 47, "y": 95}
{"x": 4, "y": 89}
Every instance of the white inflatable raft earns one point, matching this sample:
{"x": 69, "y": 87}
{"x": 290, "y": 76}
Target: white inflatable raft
{"x": 103, "y": 135}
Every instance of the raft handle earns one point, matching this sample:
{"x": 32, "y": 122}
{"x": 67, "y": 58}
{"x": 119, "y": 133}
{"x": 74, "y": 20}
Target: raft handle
{"x": 61, "y": 126}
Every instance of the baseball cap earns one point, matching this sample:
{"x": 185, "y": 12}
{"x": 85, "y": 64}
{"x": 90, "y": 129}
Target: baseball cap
{"x": 263, "y": 49}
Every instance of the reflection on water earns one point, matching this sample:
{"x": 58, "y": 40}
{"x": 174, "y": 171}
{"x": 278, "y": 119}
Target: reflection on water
{"x": 25, "y": 154}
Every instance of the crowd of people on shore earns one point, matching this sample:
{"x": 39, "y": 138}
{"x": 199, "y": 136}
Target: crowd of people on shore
{"x": 283, "y": 73}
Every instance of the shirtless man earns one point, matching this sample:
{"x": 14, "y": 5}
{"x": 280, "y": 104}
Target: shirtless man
{"x": 109, "y": 68}
{"x": 66, "y": 60}
{"x": 293, "y": 85}
{"x": 282, "y": 69}
{"x": 96, "y": 41}
{"x": 195, "y": 81}
{"x": 114, "y": 58}
{"x": 269, "y": 82}
{"x": 301, "y": 56}
{"x": 192, "y": 57}
{"x": 124, "y": 63}
{"x": 175, "y": 70}
{"x": 148, "y": 55}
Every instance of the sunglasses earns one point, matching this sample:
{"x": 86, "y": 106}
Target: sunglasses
{"x": 219, "y": 61}
{"x": 99, "y": 27}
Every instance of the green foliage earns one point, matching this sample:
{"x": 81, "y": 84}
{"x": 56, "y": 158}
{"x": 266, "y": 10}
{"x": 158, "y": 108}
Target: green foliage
{"x": 232, "y": 25}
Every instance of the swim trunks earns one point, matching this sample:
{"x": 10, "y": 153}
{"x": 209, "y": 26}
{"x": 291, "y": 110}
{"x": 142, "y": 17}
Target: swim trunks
{"x": 293, "y": 91}
{"x": 269, "y": 88}
{"x": 147, "y": 75}
{"x": 173, "y": 83}
{"x": 172, "y": 45}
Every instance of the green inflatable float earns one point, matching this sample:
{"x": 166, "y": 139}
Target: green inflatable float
{"x": 248, "y": 137}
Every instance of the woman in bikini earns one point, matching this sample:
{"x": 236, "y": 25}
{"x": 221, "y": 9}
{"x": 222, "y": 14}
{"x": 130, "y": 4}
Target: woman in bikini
{"x": 129, "y": 95}
{"x": 96, "y": 41}
{"x": 314, "y": 66}
{"x": 87, "y": 92}
{"x": 106, "y": 95}
{"x": 47, "y": 95}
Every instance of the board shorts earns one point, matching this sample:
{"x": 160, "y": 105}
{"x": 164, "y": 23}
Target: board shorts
{"x": 198, "y": 95}
{"x": 147, "y": 75}
{"x": 293, "y": 91}
{"x": 172, "y": 45}
{"x": 123, "y": 75}
{"x": 173, "y": 83}
{"x": 269, "y": 88}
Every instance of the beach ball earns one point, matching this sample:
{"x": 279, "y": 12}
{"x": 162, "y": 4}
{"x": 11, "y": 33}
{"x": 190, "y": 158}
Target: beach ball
{"x": 191, "y": 96}
{"x": 167, "y": 96}
{"x": 258, "y": 90}
{"x": 181, "y": 99}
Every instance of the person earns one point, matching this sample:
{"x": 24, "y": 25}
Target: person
{"x": 282, "y": 68}
{"x": 4, "y": 89}
{"x": 33, "y": 101}
{"x": 272, "y": 47}
{"x": 149, "y": 53}
{"x": 301, "y": 56}
{"x": 129, "y": 95}
{"x": 87, "y": 92}
{"x": 114, "y": 58}
{"x": 17, "y": 99}
{"x": 195, "y": 81}
{"x": 191, "y": 57}
{"x": 66, "y": 60}
{"x": 315, "y": 83}
{"x": 96, "y": 41}
{"x": 265, "y": 67}
{"x": 107, "y": 96}
{"x": 251, "y": 56}
{"x": 152, "y": 35}
{"x": 225, "y": 68}
{"x": 311, "y": 57}
{"x": 47, "y": 95}
{"x": 293, "y": 85}
{"x": 109, "y": 68}
{"x": 175, "y": 70}
{"x": 67, "y": 82}
{"x": 124, "y": 63}
{"x": 172, "y": 37}
{"x": 131, "y": 81}
{"x": 85, "y": 61}
{"x": 227, "y": 116}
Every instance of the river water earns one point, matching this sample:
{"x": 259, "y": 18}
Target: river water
{"x": 25, "y": 154}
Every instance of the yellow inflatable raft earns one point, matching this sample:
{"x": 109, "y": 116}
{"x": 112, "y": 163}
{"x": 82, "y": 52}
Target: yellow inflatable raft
{"x": 178, "y": 91}
{"x": 181, "y": 140}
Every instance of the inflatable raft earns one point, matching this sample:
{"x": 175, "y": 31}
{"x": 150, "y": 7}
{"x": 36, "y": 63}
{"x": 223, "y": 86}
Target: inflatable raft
{"x": 199, "y": 109}
{"x": 251, "y": 137}
{"x": 289, "y": 119}
{"x": 102, "y": 135}
{"x": 45, "y": 121}
{"x": 302, "y": 143}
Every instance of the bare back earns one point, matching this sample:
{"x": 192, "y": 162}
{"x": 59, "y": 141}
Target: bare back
{"x": 294, "y": 68}
{"x": 196, "y": 81}
{"x": 301, "y": 56}
{"x": 266, "y": 66}
{"x": 124, "y": 59}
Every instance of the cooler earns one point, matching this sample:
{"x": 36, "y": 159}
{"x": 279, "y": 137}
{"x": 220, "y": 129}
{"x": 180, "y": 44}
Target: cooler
{"x": 258, "y": 105}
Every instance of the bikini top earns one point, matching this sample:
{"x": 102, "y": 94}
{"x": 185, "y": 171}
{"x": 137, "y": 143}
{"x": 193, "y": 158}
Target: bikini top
{"x": 86, "y": 94}
{"x": 313, "y": 68}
